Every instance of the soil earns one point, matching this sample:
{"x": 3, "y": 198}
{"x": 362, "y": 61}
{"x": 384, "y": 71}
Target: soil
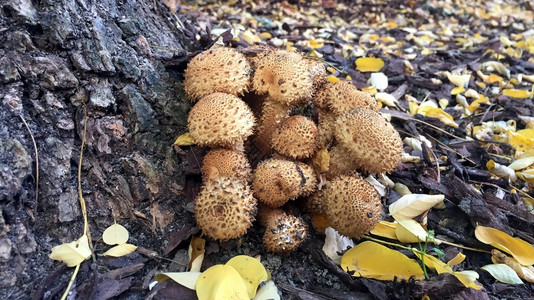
{"x": 115, "y": 68}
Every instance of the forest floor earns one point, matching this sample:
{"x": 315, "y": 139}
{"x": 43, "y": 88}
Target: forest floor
{"x": 459, "y": 74}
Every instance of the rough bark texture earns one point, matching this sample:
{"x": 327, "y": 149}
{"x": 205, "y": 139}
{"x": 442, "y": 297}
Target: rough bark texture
{"x": 54, "y": 56}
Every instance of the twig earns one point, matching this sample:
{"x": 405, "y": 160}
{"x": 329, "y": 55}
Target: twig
{"x": 71, "y": 281}
{"x": 36, "y": 166}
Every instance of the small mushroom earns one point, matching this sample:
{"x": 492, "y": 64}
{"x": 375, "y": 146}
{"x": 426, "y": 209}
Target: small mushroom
{"x": 225, "y": 208}
{"x": 283, "y": 233}
{"x": 370, "y": 140}
{"x": 341, "y": 97}
{"x": 272, "y": 114}
{"x": 296, "y": 137}
{"x": 217, "y": 70}
{"x": 226, "y": 163}
{"x": 353, "y": 206}
{"x": 276, "y": 181}
{"x": 284, "y": 75}
{"x": 341, "y": 162}
{"x": 220, "y": 119}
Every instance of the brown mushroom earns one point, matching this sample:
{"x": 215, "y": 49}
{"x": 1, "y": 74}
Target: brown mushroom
{"x": 225, "y": 163}
{"x": 283, "y": 233}
{"x": 217, "y": 70}
{"x": 272, "y": 114}
{"x": 220, "y": 119}
{"x": 372, "y": 142}
{"x": 225, "y": 208}
{"x": 341, "y": 161}
{"x": 353, "y": 205}
{"x": 342, "y": 96}
{"x": 296, "y": 137}
{"x": 276, "y": 181}
{"x": 284, "y": 75}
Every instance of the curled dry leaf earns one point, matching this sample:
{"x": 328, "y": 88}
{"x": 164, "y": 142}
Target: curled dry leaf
{"x": 502, "y": 273}
{"x": 187, "y": 279}
{"x": 335, "y": 243}
{"x": 184, "y": 140}
{"x": 495, "y": 66}
{"x": 526, "y": 273}
{"x": 501, "y": 171}
{"x": 267, "y": 291}
{"x": 412, "y": 205}
{"x": 372, "y": 260}
{"x": 522, "y": 251}
{"x": 72, "y": 253}
{"x": 120, "y": 250}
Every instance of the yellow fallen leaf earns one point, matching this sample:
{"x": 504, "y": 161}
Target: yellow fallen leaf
{"x": 369, "y": 64}
{"x": 251, "y": 270}
{"x": 372, "y": 260}
{"x": 72, "y": 253}
{"x": 115, "y": 234}
{"x": 443, "y": 103}
{"x": 221, "y": 282}
{"x": 526, "y": 273}
{"x": 520, "y": 94}
{"x": 459, "y": 80}
{"x": 196, "y": 253}
{"x": 492, "y": 78}
{"x": 457, "y": 90}
{"x": 414, "y": 107}
{"x": 410, "y": 231}
{"x": 457, "y": 259}
{"x": 476, "y": 104}
{"x": 315, "y": 44}
{"x": 502, "y": 273}
{"x": 332, "y": 78}
{"x": 120, "y": 250}
{"x": 412, "y": 205}
{"x": 386, "y": 99}
{"x": 265, "y": 35}
{"x": 522, "y": 251}
{"x": 467, "y": 278}
{"x": 184, "y": 140}
{"x": 187, "y": 279}
{"x": 250, "y": 37}
{"x": 385, "y": 229}
{"x": 440, "y": 114}
{"x": 527, "y": 175}
{"x": 321, "y": 160}
{"x": 522, "y": 140}
{"x": 522, "y": 163}
{"x": 371, "y": 90}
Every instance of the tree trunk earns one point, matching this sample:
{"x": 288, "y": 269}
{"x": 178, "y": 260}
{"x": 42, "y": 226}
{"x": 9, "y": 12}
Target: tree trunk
{"x": 56, "y": 55}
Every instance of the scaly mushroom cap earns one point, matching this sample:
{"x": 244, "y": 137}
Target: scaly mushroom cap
{"x": 217, "y": 70}
{"x": 373, "y": 143}
{"x": 340, "y": 162}
{"x": 317, "y": 72}
{"x": 317, "y": 202}
{"x": 353, "y": 205}
{"x": 272, "y": 114}
{"x": 220, "y": 119}
{"x": 310, "y": 179}
{"x": 284, "y": 75}
{"x": 342, "y": 96}
{"x": 283, "y": 233}
{"x": 276, "y": 181}
{"x": 296, "y": 137}
{"x": 225, "y": 208}
{"x": 326, "y": 127}
{"x": 225, "y": 163}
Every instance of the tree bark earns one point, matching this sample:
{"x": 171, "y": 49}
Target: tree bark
{"x": 56, "y": 55}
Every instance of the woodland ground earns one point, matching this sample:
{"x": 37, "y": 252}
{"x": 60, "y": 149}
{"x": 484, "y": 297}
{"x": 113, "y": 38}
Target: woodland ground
{"x": 126, "y": 60}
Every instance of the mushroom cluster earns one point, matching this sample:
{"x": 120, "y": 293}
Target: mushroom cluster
{"x": 250, "y": 101}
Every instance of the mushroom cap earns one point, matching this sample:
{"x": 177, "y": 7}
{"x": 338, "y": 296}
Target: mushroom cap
{"x": 276, "y": 181}
{"x": 342, "y": 96}
{"x": 317, "y": 72}
{"x": 283, "y": 233}
{"x": 316, "y": 203}
{"x": 353, "y": 205}
{"x": 217, "y": 70}
{"x": 272, "y": 113}
{"x": 220, "y": 119}
{"x": 372, "y": 142}
{"x": 340, "y": 161}
{"x": 310, "y": 179}
{"x": 296, "y": 137}
{"x": 284, "y": 75}
{"x": 225, "y": 208}
{"x": 326, "y": 127}
{"x": 225, "y": 163}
